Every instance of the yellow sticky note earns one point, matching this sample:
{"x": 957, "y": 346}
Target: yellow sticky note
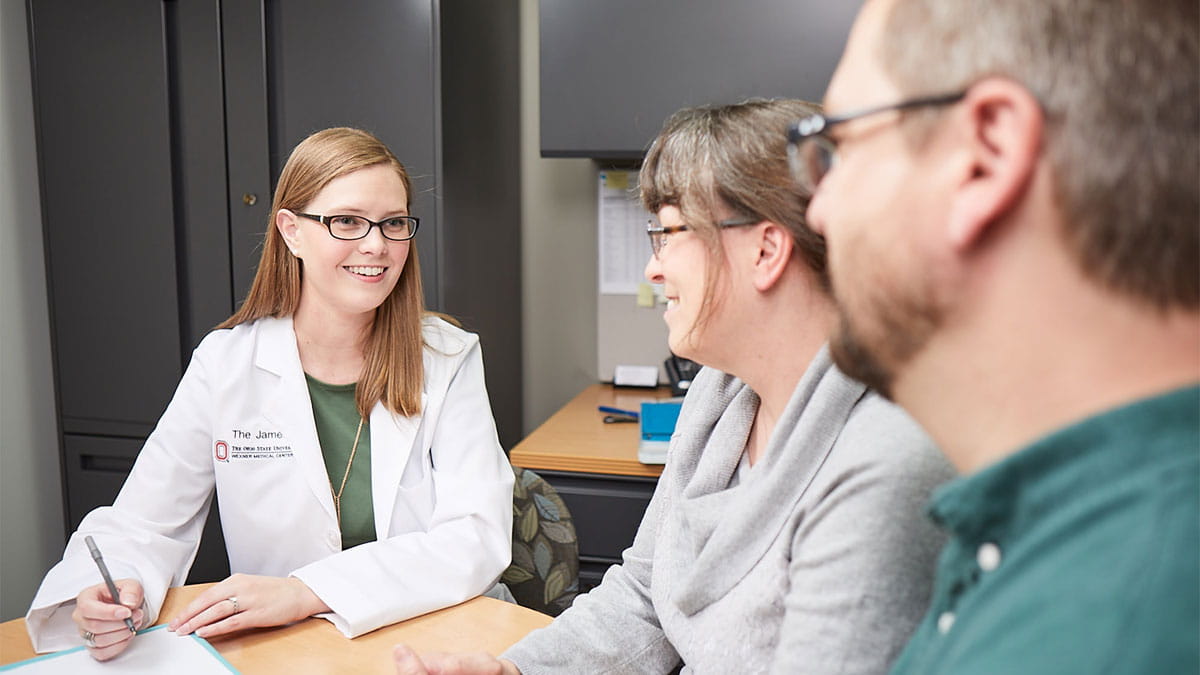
{"x": 616, "y": 180}
{"x": 645, "y": 295}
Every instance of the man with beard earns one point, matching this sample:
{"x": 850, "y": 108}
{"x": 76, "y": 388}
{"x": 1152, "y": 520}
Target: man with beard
{"x": 1009, "y": 192}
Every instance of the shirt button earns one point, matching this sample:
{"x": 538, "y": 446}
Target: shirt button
{"x": 945, "y": 621}
{"x": 335, "y": 539}
{"x": 988, "y": 556}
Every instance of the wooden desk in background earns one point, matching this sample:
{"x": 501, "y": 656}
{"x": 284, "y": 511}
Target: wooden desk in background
{"x": 594, "y": 467}
{"x": 315, "y": 646}
{"x": 576, "y": 438}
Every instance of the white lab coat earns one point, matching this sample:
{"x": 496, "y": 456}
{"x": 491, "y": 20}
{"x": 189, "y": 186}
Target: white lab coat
{"x": 241, "y": 421}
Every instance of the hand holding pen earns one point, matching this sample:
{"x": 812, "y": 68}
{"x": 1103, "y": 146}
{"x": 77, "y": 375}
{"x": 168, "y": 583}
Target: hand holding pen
{"x": 108, "y": 580}
{"x": 108, "y": 613}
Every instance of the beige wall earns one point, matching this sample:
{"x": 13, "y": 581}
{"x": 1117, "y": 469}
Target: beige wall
{"x": 558, "y": 260}
{"x": 31, "y": 519}
{"x": 573, "y": 336}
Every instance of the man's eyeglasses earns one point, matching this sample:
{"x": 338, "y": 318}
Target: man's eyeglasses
{"x": 658, "y": 232}
{"x": 812, "y": 152}
{"x": 349, "y": 228}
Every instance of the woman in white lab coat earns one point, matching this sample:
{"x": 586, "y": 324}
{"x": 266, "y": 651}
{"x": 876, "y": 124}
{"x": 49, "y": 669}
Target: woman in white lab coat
{"x": 346, "y": 431}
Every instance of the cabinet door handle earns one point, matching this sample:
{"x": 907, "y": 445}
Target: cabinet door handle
{"x": 106, "y": 463}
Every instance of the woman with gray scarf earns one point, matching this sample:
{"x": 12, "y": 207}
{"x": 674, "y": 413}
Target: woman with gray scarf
{"x": 787, "y": 533}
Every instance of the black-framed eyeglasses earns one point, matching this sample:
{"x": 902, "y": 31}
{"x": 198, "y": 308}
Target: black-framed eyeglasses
{"x": 658, "y": 232}
{"x": 812, "y": 152}
{"x": 349, "y": 228}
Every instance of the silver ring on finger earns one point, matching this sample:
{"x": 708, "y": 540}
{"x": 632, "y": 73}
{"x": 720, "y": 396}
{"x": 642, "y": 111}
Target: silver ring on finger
{"x": 236, "y": 607}
{"x": 89, "y": 639}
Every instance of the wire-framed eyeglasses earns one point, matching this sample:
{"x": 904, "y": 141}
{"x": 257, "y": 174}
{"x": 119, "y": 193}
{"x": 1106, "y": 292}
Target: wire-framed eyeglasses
{"x": 349, "y": 228}
{"x": 812, "y": 152}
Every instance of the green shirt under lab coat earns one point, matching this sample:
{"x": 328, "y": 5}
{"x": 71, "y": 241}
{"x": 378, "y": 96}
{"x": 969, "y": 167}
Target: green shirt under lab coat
{"x": 337, "y": 417}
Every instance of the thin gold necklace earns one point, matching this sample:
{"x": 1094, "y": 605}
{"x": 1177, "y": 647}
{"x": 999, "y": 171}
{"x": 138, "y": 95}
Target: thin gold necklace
{"x": 337, "y": 496}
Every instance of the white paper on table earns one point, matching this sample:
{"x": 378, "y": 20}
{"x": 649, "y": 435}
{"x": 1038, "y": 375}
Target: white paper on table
{"x": 153, "y": 651}
{"x": 624, "y": 247}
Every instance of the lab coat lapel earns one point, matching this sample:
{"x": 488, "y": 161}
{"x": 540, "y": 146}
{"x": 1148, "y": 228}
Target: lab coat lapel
{"x": 393, "y": 439}
{"x": 289, "y": 407}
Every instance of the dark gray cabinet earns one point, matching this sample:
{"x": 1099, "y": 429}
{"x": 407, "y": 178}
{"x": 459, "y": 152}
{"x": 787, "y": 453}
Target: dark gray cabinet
{"x": 107, "y": 199}
{"x": 612, "y": 71}
{"x": 606, "y": 510}
{"x": 161, "y": 128}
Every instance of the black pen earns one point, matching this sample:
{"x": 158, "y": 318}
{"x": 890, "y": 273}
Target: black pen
{"x": 112, "y": 588}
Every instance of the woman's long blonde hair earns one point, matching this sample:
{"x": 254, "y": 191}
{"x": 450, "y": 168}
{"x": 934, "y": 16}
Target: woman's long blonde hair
{"x": 392, "y": 367}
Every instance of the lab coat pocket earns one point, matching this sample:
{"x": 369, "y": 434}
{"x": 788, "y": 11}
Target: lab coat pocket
{"x": 415, "y": 498}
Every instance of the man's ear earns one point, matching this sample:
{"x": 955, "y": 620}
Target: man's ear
{"x": 775, "y": 245}
{"x": 286, "y": 223}
{"x": 1001, "y": 129}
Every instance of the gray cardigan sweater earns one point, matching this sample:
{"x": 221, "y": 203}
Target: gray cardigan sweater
{"x": 818, "y": 561}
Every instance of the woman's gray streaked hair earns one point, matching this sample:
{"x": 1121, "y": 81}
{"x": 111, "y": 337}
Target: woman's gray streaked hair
{"x": 718, "y": 162}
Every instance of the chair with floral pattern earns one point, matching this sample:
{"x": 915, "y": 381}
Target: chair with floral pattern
{"x": 544, "y": 574}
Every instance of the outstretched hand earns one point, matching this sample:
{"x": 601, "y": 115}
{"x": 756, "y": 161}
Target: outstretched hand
{"x": 408, "y": 663}
{"x": 247, "y": 601}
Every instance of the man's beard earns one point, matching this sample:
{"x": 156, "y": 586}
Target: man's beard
{"x": 901, "y": 325}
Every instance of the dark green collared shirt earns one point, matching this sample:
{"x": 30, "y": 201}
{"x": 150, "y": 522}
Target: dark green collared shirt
{"x": 1079, "y": 554}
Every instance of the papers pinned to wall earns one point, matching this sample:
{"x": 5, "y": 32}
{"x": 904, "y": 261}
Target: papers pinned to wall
{"x": 624, "y": 247}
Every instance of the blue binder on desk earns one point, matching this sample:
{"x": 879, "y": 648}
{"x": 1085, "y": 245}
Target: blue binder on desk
{"x": 658, "y": 423}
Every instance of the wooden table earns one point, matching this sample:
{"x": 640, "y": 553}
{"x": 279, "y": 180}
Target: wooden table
{"x": 315, "y": 646}
{"x": 576, "y": 438}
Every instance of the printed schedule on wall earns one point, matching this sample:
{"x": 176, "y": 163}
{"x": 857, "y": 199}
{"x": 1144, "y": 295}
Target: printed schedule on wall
{"x": 623, "y": 245}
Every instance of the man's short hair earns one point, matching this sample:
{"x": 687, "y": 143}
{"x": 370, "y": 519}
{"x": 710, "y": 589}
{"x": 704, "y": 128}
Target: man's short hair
{"x": 1119, "y": 83}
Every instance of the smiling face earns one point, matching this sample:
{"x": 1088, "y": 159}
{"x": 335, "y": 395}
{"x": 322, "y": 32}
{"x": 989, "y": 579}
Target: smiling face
{"x": 682, "y": 268}
{"x": 348, "y": 278}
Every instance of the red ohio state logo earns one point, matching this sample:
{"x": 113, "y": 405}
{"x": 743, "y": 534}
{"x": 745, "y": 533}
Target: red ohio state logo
{"x": 221, "y": 451}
